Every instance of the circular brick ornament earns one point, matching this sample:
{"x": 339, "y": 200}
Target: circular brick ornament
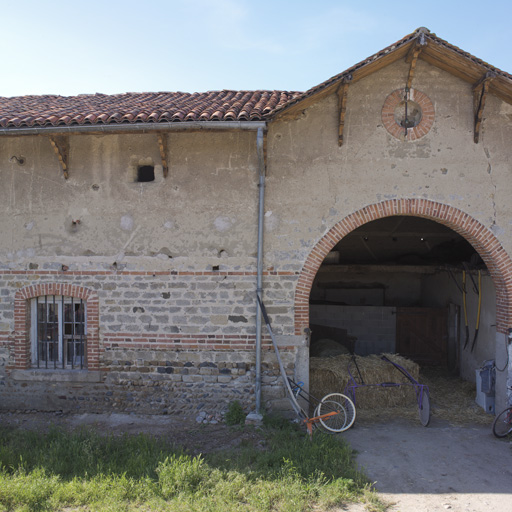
{"x": 420, "y": 114}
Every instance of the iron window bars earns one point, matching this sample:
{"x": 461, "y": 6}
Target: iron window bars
{"x": 59, "y": 333}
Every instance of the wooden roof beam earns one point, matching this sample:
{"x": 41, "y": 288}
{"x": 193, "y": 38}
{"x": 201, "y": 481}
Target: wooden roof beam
{"x": 162, "y": 144}
{"x": 412, "y": 56}
{"x": 342, "y": 106}
{"x": 60, "y": 144}
{"x": 480, "y": 90}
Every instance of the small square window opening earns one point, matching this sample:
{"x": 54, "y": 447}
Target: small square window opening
{"x": 145, "y": 173}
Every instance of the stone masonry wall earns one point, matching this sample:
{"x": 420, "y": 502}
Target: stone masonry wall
{"x": 169, "y": 343}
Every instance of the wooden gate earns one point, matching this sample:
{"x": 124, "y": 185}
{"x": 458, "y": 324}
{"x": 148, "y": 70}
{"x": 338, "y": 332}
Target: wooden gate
{"x": 422, "y": 334}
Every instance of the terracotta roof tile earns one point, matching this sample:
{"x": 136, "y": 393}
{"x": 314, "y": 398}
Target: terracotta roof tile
{"x": 101, "y": 109}
{"x": 177, "y": 107}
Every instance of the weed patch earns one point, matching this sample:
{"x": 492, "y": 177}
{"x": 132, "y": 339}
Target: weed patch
{"x": 235, "y": 414}
{"x": 88, "y": 472}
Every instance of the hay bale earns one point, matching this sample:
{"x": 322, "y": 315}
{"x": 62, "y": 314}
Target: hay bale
{"x": 330, "y": 375}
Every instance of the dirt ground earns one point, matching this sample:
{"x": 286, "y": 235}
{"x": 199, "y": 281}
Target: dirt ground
{"x": 441, "y": 467}
{"x": 195, "y": 437}
{"x": 460, "y": 468}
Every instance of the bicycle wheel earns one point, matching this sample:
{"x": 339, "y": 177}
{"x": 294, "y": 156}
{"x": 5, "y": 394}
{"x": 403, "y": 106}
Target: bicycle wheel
{"x": 502, "y": 425}
{"x": 424, "y": 408}
{"x": 333, "y": 423}
{"x": 334, "y": 416}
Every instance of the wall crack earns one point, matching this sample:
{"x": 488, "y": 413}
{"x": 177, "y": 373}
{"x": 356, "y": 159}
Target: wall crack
{"x": 495, "y": 188}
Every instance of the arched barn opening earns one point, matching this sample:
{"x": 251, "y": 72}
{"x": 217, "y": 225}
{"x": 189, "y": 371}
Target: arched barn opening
{"x": 396, "y": 285}
{"x": 414, "y": 288}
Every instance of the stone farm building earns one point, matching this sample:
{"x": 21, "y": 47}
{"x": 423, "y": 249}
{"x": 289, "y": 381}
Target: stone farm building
{"x": 136, "y": 229}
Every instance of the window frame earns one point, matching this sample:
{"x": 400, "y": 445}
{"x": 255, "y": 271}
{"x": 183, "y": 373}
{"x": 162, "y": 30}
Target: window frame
{"x": 62, "y": 339}
{"x": 22, "y": 323}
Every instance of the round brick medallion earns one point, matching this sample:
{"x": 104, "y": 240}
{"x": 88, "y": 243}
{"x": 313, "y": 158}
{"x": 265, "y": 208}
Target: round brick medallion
{"x": 408, "y": 115}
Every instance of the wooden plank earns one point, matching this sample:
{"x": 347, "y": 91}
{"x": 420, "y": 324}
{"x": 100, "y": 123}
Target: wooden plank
{"x": 412, "y": 67}
{"x": 412, "y": 56}
{"x": 422, "y": 335}
{"x": 60, "y": 145}
{"x": 162, "y": 144}
{"x": 500, "y": 87}
{"x": 490, "y": 75}
{"x": 342, "y": 106}
{"x": 380, "y": 63}
{"x": 366, "y": 69}
{"x": 453, "y": 62}
{"x": 465, "y": 74}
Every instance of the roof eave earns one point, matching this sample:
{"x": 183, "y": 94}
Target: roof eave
{"x": 136, "y": 128}
{"x": 437, "y": 52}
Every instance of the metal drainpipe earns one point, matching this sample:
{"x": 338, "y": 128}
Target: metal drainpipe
{"x": 259, "y": 289}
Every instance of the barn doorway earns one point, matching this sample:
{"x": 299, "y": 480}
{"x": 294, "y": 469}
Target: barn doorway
{"x": 395, "y": 285}
{"x": 466, "y": 238}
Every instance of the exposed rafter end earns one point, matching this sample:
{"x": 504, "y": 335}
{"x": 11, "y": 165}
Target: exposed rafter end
{"x": 480, "y": 90}
{"x": 162, "y": 144}
{"x": 342, "y": 106}
{"x": 60, "y": 144}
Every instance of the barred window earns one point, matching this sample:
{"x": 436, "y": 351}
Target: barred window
{"x": 59, "y": 332}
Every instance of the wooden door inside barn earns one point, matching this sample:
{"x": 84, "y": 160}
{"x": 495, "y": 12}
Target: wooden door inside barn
{"x": 422, "y": 334}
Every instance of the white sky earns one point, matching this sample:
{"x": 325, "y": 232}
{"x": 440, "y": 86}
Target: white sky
{"x": 70, "y": 47}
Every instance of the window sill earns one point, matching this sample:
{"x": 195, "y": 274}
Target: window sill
{"x": 37, "y": 375}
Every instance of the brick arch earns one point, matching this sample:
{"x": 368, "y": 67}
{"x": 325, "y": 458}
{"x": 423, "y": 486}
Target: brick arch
{"x": 481, "y": 238}
{"x": 22, "y": 319}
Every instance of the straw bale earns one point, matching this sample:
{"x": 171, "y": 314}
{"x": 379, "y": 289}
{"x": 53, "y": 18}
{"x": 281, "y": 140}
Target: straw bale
{"x": 452, "y": 401}
{"x": 330, "y": 375}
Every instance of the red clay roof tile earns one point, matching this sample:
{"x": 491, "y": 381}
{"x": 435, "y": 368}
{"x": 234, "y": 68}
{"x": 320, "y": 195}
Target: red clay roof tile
{"x": 177, "y": 107}
{"x": 99, "y": 109}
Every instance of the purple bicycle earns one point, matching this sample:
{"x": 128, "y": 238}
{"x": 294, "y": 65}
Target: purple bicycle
{"x": 421, "y": 390}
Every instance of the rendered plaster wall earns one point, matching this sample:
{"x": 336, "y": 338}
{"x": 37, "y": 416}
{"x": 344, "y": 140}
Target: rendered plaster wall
{"x": 203, "y": 214}
{"x": 172, "y": 261}
{"x": 313, "y": 183}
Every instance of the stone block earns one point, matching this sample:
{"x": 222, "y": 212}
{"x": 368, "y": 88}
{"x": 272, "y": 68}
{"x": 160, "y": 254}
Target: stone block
{"x": 192, "y": 378}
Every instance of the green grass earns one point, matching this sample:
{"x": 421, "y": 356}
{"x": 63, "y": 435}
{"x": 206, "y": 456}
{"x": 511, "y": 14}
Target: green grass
{"x": 83, "y": 471}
